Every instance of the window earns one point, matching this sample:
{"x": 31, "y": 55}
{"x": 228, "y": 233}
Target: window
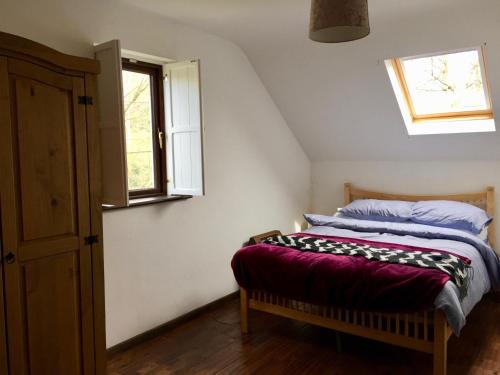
{"x": 443, "y": 92}
{"x": 144, "y": 128}
{"x": 150, "y": 125}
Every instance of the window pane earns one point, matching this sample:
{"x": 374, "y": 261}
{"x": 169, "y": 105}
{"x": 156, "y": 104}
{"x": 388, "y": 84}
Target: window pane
{"x": 445, "y": 83}
{"x": 139, "y": 130}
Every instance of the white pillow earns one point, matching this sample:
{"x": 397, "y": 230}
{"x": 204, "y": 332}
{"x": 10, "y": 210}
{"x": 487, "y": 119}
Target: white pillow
{"x": 483, "y": 235}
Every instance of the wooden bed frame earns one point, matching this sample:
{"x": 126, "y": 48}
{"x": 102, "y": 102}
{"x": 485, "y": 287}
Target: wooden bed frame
{"x": 425, "y": 331}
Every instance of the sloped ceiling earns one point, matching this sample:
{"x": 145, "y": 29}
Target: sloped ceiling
{"x": 337, "y": 98}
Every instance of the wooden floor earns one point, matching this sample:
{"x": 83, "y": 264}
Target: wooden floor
{"x": 212, "y": 344}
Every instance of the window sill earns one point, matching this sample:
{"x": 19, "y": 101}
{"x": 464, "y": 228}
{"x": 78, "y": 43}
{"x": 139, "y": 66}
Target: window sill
{"x": 451, "y": 126}
{"x": 137, "y": 202}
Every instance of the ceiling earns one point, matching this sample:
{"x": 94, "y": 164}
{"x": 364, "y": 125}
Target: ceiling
{"x": 337, "y": 99}
{"x": 245, "y": 22}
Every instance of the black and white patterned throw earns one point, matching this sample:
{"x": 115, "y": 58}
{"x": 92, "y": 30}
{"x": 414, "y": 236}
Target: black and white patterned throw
{"x": 457, "y": 268}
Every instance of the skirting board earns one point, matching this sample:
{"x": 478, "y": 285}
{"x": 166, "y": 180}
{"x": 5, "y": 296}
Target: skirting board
{"x": 157, "y": 331}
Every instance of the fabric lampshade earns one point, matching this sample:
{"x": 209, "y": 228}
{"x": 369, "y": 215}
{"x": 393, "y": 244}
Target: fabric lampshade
{"x": 335, "y": 21}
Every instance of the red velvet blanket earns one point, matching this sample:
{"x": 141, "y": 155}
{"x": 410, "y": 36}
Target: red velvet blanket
{"x": 340, "y": 280}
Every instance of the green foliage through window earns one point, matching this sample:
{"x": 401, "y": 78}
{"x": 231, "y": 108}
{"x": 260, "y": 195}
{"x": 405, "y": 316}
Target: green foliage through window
{"x": 139, "y": 130}
{"x": 449, "y": 82}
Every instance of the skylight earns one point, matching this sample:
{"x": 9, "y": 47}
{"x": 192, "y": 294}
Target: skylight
{"x": 443, "y": 92}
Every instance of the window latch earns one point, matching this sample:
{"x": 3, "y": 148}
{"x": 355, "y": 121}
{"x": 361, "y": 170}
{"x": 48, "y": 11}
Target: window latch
{"x": 160, "y": 138}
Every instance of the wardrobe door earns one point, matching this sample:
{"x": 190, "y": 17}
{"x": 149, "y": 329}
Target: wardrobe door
{"x": 45, "y": 215}
{"x": 3, "y": 338}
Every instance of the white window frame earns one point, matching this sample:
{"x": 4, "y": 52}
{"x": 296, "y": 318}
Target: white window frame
{"x": 115, "y": 190}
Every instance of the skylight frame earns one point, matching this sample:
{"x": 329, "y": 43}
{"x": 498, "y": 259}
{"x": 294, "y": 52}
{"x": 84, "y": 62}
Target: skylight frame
{"x": 397, "y": 66}
{"x": 442, "y": 123}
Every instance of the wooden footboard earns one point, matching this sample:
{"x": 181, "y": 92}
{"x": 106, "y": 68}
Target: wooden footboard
{"x": 425, "y": 331}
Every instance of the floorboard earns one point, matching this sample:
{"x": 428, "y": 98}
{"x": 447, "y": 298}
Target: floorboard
{"x": 212, "y": 344}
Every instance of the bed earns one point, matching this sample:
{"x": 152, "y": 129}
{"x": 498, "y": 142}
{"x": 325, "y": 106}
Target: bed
{"x": 426, "y": 330}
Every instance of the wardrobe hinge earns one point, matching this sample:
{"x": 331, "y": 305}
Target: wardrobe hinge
{"x": 92, "y": 239}
{"x": 85, "y": 100}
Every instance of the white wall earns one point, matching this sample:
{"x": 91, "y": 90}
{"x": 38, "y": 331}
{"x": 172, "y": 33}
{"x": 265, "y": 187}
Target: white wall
{"x": 328, "y": 179}
{"x": 164, "y": 260}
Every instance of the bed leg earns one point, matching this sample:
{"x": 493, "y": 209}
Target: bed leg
{"x": 440, "y": 343}
{"x": 338, "y": 341}
{"x": 244, "y": 310}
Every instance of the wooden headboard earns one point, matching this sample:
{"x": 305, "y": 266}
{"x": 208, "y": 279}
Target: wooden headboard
{"x": 484, "y": 200}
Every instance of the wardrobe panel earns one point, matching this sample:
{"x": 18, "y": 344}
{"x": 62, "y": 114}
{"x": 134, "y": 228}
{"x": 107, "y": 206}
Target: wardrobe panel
{"x": 52, "y": 290}
{"x": 46, "y": 161}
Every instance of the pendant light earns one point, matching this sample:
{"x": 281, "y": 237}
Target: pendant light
{"x": 335, "y": 21}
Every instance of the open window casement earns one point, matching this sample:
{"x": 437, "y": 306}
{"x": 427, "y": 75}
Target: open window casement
{"x": 111, "y": 125}
{"x": 184, "y": 128}
{"x": 183, "y": 119}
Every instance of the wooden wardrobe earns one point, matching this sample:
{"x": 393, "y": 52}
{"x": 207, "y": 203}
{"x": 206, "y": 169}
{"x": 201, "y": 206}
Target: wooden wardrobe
{"x": 52, "y": 282}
